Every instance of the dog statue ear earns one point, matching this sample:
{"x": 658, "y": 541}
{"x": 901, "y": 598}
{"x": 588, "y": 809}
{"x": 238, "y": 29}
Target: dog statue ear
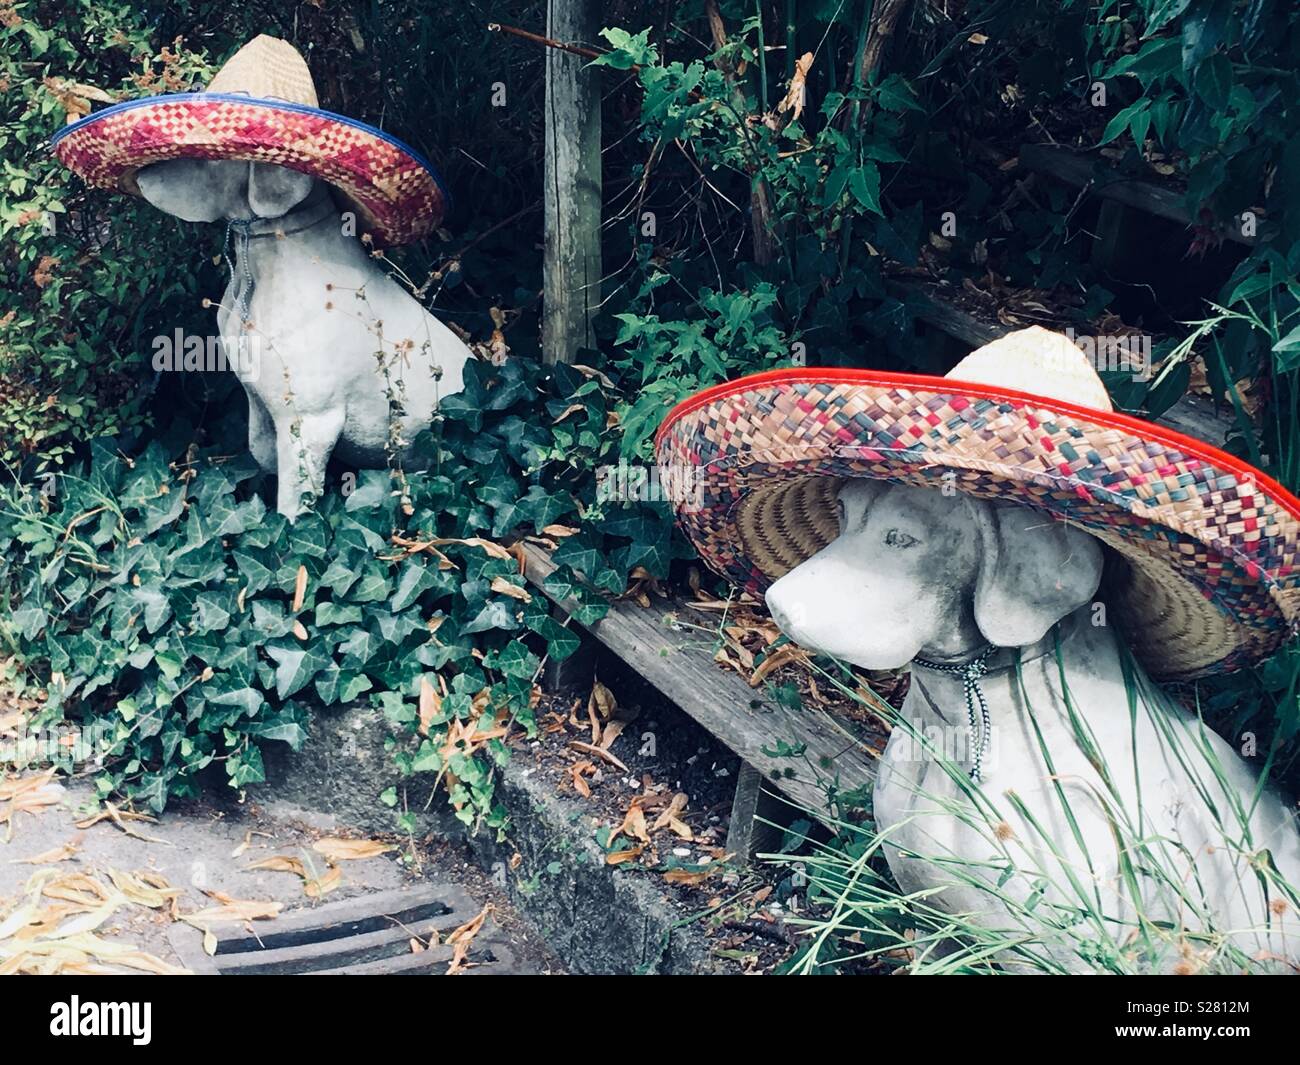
{"x": 1034, "y": 571}
{"x": 855, "y": 496}
{"x": 196, "y": 190}
{"x": 276, "y": 190}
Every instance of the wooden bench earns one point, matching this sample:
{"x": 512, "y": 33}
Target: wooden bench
{"x": 677, "y": 659}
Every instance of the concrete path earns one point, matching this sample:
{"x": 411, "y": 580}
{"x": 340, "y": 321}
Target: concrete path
{"x": 204, "y": 851}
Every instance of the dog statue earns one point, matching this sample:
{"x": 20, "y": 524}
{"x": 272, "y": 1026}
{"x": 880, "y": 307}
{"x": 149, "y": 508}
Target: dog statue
{"x": 332, "y": 352}
{"x": 917, "y": 576}
{"x": 334, "y": 336}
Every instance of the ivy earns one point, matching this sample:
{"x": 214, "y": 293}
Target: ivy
{"x": 157, "y": 598}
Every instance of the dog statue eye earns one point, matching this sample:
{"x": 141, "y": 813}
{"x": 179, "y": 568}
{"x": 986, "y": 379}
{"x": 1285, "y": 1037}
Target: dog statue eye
{"x": 895, "y": 538}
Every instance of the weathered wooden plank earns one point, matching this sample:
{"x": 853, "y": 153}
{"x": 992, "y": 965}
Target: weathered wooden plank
{"x": 1194, "y": 416}
{"x": 1081, "y": 169}
{"x": 678, "y": 661}
{"x": 755, "y": 813}
{"x": 572, "y": 196}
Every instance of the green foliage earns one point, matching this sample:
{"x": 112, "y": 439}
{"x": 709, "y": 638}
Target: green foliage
{"x": 154, "y": 595}
{"x": 82, "y": 273}
{"x": 667, "y": 360}
{"x": 1211, "y": 85}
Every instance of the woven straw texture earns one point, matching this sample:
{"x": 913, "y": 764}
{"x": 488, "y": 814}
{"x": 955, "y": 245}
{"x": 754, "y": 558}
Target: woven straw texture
{"x": 396, "y": 197}
{"x": 1202, "y": 577}
{"x": 269, "y": 68}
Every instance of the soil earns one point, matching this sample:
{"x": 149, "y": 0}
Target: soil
{"x": 664, "y": 755}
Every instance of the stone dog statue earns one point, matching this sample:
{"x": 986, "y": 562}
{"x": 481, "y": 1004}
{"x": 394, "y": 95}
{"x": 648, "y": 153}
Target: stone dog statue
{"x": 937, "y": 579}
{"x": 1035, "y": 777}
{"x": 313, "y": 337}
{"x": 334, "y": 354}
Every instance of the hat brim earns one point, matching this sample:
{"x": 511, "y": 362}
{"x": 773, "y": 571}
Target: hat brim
{"x": 398, "y": 195}
{"x": 1204, "y": 576}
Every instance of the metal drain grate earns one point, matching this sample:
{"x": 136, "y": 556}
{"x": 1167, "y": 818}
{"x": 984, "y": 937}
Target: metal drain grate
{"x": 367, "y": 935}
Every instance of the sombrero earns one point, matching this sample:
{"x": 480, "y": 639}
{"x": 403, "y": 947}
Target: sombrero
{"x": 261, "y": 107}
{"x": 1202, "y": 573}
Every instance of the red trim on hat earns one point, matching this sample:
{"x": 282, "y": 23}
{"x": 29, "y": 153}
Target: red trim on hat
{"x": 1139, "y": 427}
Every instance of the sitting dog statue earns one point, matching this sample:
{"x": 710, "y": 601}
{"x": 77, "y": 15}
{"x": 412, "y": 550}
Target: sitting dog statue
{"x": 334, "y": 336}
{"x": 332, "y": 352}
{"x": 941, "y": 580}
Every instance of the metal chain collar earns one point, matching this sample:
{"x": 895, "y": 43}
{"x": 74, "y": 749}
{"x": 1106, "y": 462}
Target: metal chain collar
{"x": 979, "y": 724}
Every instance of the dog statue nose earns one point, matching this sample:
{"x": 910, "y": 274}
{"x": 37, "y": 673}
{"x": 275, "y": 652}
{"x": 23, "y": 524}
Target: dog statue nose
{"x": 785, "y": 612}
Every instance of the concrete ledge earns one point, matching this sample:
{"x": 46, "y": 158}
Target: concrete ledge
{"x": 598, "y": 919}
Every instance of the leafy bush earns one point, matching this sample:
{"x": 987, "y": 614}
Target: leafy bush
{"x": 167, "y": 610}
{"x": 82, "y": 273}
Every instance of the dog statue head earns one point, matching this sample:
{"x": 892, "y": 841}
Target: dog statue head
{"x": 210, "y": 190}
{"x": 915, "y": 572}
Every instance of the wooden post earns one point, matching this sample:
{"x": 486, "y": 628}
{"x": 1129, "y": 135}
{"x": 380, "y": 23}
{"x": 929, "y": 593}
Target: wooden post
{"x": 572, "y": 197}
{"x": 755, "y": 812}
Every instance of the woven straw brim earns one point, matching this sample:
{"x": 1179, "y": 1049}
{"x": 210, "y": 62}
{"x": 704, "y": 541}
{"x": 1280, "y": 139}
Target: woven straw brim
{"x": 1203, "y": 575}
{"x": 397, "y": 195}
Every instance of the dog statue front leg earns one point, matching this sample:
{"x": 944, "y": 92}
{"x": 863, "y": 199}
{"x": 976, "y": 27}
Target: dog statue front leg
{"x": 261, "y": 433}
{"x": 303, "y": 448}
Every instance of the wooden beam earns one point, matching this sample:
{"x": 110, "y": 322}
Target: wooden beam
{"x": 678, "y": 661}
{"x": 1081, "y": 170}
{"x": 572, "y": 196}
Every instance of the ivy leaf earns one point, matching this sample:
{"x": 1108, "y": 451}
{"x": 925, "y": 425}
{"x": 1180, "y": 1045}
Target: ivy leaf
{"x": 295, "y": 667}
{"x": 515, "y": 660}
{"x": 494, "y": 615}
{"x": 374, "y": 488}
{"x": 210, "y": 612}
{"x": 373, "y": 586}
{"x": 246, "y": 768}
{"x": 560, "y": 641}
{"x": 308, "y": 535}
{"x": 416, "y": 579}
{"x": 157, "y": 607}
{"x": 331, "y": 613}
{"x": 257, "y": 575}
{"x": 250, "y": 699}
{"x": 28, "y": 620}
{"x": 288, "y": 725}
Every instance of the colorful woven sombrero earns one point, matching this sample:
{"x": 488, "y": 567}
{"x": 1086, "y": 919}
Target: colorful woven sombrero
{"x": 261, "y": 107}
{"x": 1203, "y": 573}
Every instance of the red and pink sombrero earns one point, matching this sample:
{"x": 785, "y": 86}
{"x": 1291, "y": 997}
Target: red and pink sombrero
{"x": 261, "y": 107}
{"x": 1202, "y": 575}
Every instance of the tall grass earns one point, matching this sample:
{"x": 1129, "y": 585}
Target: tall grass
{"x": 1049, "y": 905}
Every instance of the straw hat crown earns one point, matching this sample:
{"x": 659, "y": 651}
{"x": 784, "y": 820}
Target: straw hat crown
{"x": 1048, "y": 363}
{"x": 269, "y": 68}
